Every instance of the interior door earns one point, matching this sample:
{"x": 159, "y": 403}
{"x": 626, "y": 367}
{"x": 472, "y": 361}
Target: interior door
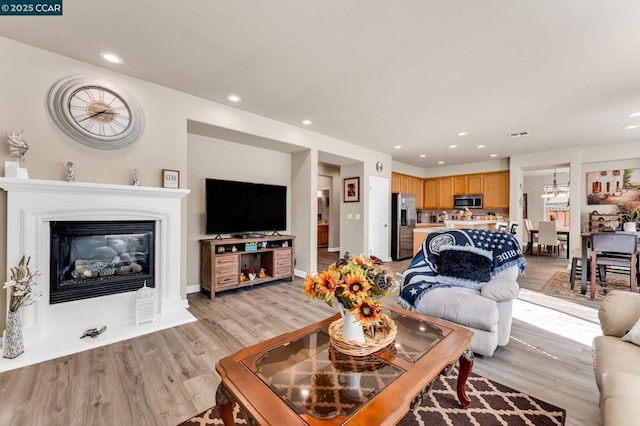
{"x": 379, "y": 205}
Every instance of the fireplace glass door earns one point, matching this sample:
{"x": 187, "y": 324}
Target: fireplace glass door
{"x": 93, "y": 259}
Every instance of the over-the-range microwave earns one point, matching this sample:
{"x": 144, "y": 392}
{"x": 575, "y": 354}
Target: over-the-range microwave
{"x": 471, "y": 201}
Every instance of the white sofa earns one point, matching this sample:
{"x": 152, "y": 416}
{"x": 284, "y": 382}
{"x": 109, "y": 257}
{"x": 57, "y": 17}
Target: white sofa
{"x": 616, "y": 363}
{"x": 488, "y": 312}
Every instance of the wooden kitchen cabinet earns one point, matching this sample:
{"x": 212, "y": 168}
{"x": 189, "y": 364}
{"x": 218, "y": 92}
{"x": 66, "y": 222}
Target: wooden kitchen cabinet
{"x": 460, "y": 185}
{"x": 395, "y": 182}
{"x": 475, "y": 183}
{"x": 416, "y": 188}
{"x": 408, "y": 185}
{"x": 496, "y": 190}
{"x": 430, "y": 200}
{"x": 404, "y": 184}
{"x": 445, "y": 192}
{"x": 323, "y": 235}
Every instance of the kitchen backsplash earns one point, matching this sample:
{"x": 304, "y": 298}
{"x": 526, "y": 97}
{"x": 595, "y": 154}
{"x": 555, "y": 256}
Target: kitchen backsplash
{"x": 431, "y": 216}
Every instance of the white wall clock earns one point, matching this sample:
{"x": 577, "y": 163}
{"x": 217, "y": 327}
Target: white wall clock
{"x": 95, "y": 112}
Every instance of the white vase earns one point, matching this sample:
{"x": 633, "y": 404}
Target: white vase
{"x": 354, "y": 388}
{"x": 352, "y": 329}
{"x": 13, "y": 341}
{"x": 629, "y": 227}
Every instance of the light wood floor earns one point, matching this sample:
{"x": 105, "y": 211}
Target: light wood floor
{"x": 168, "y": 376}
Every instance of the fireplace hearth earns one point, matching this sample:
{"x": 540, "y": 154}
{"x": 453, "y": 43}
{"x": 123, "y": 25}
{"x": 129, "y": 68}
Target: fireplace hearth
{"x": 99, "y": 258}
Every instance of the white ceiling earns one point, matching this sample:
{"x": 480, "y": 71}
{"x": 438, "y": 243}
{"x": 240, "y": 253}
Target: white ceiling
{"x": 379, "y": 73}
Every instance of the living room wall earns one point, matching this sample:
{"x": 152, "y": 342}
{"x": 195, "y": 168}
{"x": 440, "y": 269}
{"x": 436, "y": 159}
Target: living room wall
{"x": 219, "y": 159}
{"x": 28, "y": 75}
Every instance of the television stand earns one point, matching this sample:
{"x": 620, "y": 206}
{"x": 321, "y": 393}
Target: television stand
{"x": 248, "y": 235}
{"x": 222, "y": 268}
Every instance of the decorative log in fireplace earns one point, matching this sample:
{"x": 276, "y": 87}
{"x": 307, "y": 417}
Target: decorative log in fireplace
{"x": 98, "y": 258}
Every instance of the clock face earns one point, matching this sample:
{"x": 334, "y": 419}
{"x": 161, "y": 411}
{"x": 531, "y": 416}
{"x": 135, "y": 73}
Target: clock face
{"x": 99, "y": 111}
{"x": 95, "y": 112}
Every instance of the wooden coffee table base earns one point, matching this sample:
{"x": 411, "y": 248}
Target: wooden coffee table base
{"x": 225, "y": 401}
{"x": 466, "y": 363}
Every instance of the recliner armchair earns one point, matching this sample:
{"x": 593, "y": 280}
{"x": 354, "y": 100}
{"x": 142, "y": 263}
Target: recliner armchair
{"x": 468, "y": 277}
{"x": 487, "y": 312}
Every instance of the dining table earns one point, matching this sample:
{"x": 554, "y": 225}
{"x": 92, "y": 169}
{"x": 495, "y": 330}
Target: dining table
{"x": 534, "y": 232}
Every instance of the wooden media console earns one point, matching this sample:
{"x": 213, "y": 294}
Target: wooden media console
{"x": 221, "y": 267}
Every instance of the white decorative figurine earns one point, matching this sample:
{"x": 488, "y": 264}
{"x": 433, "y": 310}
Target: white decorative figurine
{"x": 70, "y": 177}
{"x": 136, "y": 177}
{"x": 17, "y": 148}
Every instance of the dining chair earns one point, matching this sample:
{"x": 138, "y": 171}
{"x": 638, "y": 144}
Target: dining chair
{"x": 577, "y": 270}
{"x": 548, "y": 237}
{"x": 563, "y": 238}
{"x": 528, "y": 225}
{"x": 501, "y": 226}
{"x": 614, "y": 250}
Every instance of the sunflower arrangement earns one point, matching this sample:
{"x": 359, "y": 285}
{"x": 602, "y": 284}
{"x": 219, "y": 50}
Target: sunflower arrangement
{"x": 357, "y": 283}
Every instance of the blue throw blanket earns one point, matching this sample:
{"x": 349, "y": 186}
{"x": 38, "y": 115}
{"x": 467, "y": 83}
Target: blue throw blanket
{"x": 422, "y": 274}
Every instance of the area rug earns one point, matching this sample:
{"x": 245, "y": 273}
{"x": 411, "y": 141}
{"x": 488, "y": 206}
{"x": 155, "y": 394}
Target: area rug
{"x": 559, "y": 286}
{"x": 491, "y": 404}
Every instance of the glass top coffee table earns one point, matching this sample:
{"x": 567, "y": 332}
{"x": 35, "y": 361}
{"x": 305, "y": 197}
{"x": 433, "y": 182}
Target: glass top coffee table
{"x": 299, "y": 378}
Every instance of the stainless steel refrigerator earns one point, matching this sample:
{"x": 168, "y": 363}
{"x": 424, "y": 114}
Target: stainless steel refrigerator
{"x": 403, "y": 221}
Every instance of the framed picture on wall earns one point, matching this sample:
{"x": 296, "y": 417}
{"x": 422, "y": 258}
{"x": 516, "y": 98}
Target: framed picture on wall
{"x": 170, "y": 178}
{"x": 613, "y": 186}
{"x": 352, "y": 190}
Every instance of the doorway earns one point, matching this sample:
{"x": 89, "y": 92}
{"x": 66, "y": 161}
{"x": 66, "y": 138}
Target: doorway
{"x": 379, "y": 206}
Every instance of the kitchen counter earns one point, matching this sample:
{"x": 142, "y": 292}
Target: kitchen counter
{"x": 476, "y": 224}
{"x": 421, "y": 230}
{"x": 419, "y": 234}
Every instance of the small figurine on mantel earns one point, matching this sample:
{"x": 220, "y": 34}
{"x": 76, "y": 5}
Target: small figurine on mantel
{"x": 136, "y": 177}
{"x": 93, "y": 332}
{"x": 17, "y": 148}
{"x": 70, "y": 177}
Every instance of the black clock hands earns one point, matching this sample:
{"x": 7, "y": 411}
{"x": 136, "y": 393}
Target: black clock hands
{"x": 96, "y": 114}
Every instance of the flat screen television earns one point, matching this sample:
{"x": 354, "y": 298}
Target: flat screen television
{"x": 242, "y": 207}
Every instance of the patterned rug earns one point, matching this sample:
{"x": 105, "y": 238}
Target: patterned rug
{"x": 559, "y": 286}
{"x": 491, "y": 404}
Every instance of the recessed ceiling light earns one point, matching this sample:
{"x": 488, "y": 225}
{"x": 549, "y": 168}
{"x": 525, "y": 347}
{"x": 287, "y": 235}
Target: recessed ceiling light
{"x": 440, "y": 162}
{"x": 481, "y": 146}
{"x": 307, "y": 122}
{"x": 453, "y": 146}
{"x": 634, "y": 114}
{"x": 423, "y": 155}
{"x": 463, "y": 133}
{"x": 398, "y": 146}
{"x": 632, "y": 126}
{"x": 493, "y": 155}
{"x": 234, "y": 98}
{"x": 111, "y": 57}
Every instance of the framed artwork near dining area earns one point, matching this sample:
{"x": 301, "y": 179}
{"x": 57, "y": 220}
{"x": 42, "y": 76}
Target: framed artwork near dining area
{"x": 613, "y": 186}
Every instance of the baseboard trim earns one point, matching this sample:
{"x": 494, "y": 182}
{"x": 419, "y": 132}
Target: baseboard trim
{"x": 333, "y": 249}
{"x": 195, "y": 288}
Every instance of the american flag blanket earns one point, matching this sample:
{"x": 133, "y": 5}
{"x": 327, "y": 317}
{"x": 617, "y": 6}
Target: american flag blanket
{"x": 422, "y": 274}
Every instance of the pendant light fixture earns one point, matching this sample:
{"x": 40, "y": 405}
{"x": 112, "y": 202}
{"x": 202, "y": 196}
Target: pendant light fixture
{"x": 555, "y": 191}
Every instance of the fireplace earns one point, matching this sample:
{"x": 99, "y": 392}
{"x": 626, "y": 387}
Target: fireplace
{"x": 52, "y": 329}
{"x": 99, "y": 258}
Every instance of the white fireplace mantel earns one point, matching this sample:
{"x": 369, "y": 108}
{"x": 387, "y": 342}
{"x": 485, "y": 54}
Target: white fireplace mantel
{"x": 53, "y": 330}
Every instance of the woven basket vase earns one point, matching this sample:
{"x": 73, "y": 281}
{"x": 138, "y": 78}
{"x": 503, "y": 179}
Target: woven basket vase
{"x": 384, "y": 335}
